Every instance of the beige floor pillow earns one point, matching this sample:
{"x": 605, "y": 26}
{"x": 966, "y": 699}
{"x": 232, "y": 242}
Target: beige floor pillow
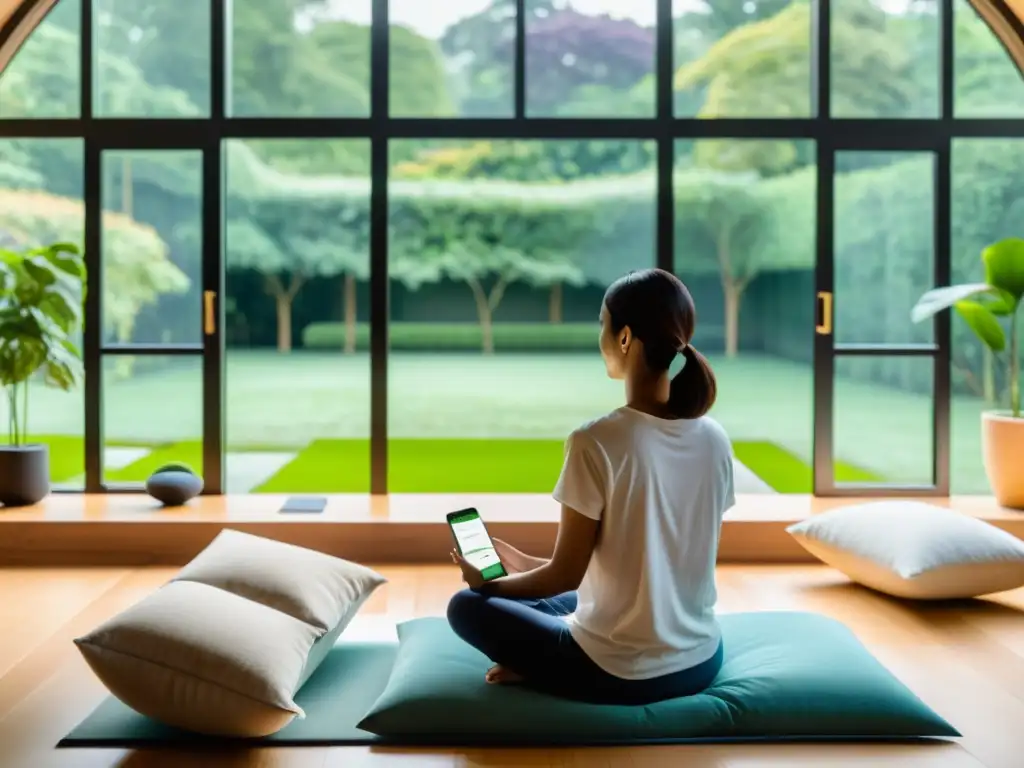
{"x": 914, "y": 550}
{"x": 223, "y": 648}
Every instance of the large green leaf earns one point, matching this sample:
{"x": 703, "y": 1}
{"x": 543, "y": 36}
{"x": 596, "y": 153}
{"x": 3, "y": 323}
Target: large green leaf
{"x": 40, "y": 307}
{"x": 1004, "y": 266}
{"x": 984, "y": 324}
{"x": 940, "y": 299}
{"x": 67, "y": 258}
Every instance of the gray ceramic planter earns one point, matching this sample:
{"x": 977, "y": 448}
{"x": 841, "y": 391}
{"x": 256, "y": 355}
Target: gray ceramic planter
{"x": 24, "y": 474}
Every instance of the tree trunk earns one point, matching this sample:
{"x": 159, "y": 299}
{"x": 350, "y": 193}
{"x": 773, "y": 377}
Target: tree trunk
{"x": 350, "y": 313}
{"x": 284, "y": 322}
{"x": 486, "y": 303}
{"x": 733, "y": 293}
{"x": 283, "y": 298}
{"x": 555, "y": 304}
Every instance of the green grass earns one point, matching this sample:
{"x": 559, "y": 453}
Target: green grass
{"x": 67, "y": 455}
{"x": 326, "y": 466}
{"x": 290, "y": 402}
{"x": 493, "y": 466}
{"x": 424, "y": 466}
{"x": 785, "y": 473}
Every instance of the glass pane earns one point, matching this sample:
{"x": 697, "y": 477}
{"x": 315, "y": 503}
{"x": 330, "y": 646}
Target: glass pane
{"x": 745, "y": 247}
{"x": 298, "y": 363}
{"x": 987, "y": 83}
{"x": 742, "y": 59}
{"x": 152, "y": 415}
{"x": 43, "y": 79}
{"x": 884, "y": 245}
{"x": 987, "y": 206}
{"x": 882, "y": 420}
{"x": 500, "y": 254}
{"x": 41, "y": 203}
{"x": 452, "y": 59}
{"x": 152, "y": 251}
{"x": 885, "y": 58}
{"x": 152, "y": 58}
{"x": 291, "y": 59}
{"x": 593, "y": 59}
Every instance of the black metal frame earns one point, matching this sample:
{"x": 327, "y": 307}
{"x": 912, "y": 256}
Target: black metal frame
{"x": 207, "y": 134}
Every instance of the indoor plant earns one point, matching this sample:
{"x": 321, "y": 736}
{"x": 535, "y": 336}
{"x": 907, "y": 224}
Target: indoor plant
{"x": 41, "y": 293}
{"x": 988, "y": 307}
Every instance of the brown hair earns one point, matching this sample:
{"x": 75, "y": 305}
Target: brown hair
{"x": 660, "y": 312}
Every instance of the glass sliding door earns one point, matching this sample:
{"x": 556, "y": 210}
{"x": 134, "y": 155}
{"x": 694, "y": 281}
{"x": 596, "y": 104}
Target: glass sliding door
{"x": 152, "y": 395}
{"x": 882, "y": 381}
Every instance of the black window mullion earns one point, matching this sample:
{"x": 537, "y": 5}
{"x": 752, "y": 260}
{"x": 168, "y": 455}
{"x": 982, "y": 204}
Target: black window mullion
{"x": 821, "y": 59}
{"x": 942, "y": 386}
{"x": 92, "y": 329}
{"x": 947, "y": 60}
{"x": 152, "y": 350}
{"x": 885, "y": 350}
{"x": 519, "y": 62}
{"x": 212, "y": 346}
{"x": 379, "y": 288}
{"x": 85, "y": 60}
{"x": 220, "y": 52}
{"x": 824, "y": 352}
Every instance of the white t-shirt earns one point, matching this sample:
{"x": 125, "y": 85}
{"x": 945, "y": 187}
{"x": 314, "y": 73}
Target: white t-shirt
{"x": 660, "y": 488}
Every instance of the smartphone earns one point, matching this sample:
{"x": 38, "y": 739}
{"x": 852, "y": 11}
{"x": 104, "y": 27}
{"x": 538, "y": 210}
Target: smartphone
{"x": 475, "y": 543}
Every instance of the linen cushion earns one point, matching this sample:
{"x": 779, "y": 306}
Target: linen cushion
{"x": 914, "y": 550}
{"x": 223, "y": 647}
{"x": 203, "y": 659}
{"x": 310, "y": 586}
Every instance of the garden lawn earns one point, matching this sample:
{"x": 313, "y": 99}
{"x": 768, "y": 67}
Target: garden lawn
{"x": 491, "y": 466}
{"x": 288, "y": 403}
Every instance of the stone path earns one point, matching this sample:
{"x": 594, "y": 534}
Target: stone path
{"x": 746, "y": 481}
{"x": 245, "y": 471}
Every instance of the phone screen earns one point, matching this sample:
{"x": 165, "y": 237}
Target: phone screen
{"x": 475, "y": 544}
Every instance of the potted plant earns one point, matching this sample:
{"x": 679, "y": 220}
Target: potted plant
{"x": 986, "y": 308}
{"x": 41, "y": 293}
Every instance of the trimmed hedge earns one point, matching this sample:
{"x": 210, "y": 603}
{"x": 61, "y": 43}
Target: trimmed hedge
{"x": 462, "y": 337}
{"x": 467, "y": 337}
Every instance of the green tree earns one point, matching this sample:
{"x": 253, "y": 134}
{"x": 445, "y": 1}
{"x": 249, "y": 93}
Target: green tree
{"x": 137, "y": 271}
{"x": 291, "y": 228}
{"x": 763, "y": 70}
{"x": 722, "y": 215}
{"x": 987, "y": 82}
{"x": 487, "y": 269}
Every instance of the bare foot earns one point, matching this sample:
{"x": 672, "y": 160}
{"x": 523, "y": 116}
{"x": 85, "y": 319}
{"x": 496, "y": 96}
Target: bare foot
{"x": 498, "y": 675}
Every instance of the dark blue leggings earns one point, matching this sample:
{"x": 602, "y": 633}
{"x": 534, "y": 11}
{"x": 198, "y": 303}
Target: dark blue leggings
{"x": 529, "y": 637}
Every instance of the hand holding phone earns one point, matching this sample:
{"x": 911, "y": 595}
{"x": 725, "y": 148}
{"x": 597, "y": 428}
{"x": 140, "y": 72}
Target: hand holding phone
{"x": 474, "y": 544}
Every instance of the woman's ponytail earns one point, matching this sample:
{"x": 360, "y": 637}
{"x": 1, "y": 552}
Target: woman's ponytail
{"x": 693, "y": 390}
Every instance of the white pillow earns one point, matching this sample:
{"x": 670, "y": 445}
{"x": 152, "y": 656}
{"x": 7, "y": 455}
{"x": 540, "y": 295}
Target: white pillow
{"x": 203, "y": 659}
{"x": 914, "y": 550}
{"x": 310, "y": 586}
{"x": 223, "y": 648}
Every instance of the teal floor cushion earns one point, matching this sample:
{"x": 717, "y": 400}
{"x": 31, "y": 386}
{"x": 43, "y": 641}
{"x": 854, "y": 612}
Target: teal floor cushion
{"x": 786, "y": 676}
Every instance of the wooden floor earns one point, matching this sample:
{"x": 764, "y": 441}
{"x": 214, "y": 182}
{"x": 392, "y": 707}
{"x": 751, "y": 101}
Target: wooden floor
{"x": 966, "y": 660}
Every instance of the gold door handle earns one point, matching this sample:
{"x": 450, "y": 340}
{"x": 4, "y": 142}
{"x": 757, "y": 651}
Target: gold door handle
{"x": 209, "y": 312}
{"x": 824, "y": 328}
